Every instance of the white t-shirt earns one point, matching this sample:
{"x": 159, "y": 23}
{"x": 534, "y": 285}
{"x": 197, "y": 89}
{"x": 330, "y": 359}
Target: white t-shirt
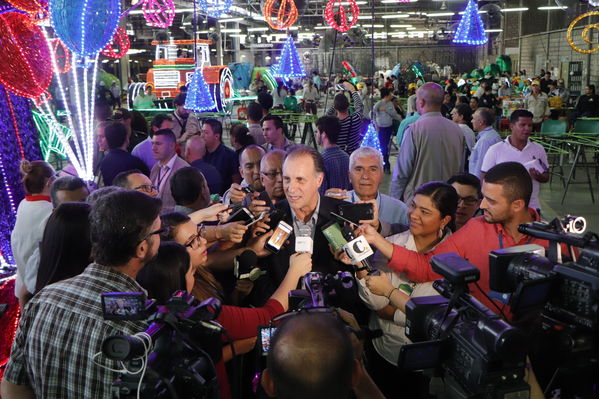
{"x": 506, "y": 152}
{"x": 394, "y": 335}
{"x": 32, "y": 215}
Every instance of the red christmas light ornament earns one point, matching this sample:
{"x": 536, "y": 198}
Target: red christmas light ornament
{"x": 338, "y": 17}
{"x": 159, "y": 13}
{"x": 62, "y": 55}
{"x": 33, "y": 7}
{"x": 350, "y": 69}
{"x": 25, "y": 63}
{"x": 280, "y": 14}
{"x": 118, "y": 46}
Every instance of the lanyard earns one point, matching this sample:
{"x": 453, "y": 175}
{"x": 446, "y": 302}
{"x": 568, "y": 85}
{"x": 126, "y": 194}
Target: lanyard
{"x": 500, "y": 237}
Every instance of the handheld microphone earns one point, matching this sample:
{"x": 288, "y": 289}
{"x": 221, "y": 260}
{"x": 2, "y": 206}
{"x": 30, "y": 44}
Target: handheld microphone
{"x": 303, "y": 240}
{"x": 357, "y": 248}
{"x": 245, "y": 266}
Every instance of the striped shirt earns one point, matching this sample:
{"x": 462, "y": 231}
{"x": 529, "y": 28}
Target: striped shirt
{"x": 61, "y": 330}
{"x": 336, "y": 165}
{"x": 350, "y": 133}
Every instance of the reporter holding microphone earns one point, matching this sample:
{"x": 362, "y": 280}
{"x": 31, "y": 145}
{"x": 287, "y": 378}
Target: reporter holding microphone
{"x": 431, "y": 216}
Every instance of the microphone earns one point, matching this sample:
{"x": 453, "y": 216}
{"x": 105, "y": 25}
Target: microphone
{"x": 245, "y": 266}
{"x": 357, "y": 248}
{"x": 303, "y": 240}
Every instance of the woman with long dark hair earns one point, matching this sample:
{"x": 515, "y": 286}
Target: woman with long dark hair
{"x": 462, "y": 115}
{"x": 171, "y": 270}
{"x": 431, "y": 215}
{"x": 65, "y": 250}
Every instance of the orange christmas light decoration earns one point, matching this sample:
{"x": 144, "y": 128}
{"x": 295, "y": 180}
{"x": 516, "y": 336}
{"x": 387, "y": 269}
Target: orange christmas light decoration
{"x": 280, "y": 14}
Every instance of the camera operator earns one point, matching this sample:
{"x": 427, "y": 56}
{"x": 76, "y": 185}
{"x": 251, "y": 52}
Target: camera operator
{"x": 306, "y": 210}
{"x": 506, "y": 193}
{"x": 63, "y": 325}
{"x": 311, "y": 356}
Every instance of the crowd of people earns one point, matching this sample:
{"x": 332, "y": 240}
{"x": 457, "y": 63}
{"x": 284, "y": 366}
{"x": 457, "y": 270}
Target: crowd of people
{"x": 159, "y": 223}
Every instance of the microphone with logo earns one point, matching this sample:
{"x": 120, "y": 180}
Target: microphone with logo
{"x": 245, "y": 266}
{"x": 358, "y": 249}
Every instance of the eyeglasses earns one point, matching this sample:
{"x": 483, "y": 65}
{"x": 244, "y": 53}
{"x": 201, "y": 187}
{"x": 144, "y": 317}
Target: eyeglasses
{"x": 469, "y": 201}
{"x": 161, "y": 231}
{"x": 273, "y": 175}
{"x": 194, "y": 242}
{"x": 146, "y": 188}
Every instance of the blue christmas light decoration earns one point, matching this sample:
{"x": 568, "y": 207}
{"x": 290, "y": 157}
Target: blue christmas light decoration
{"x": 198, "y": 97}
{"x": 85, "y": 26}
{"x": 371, "y": 139}
{"x": 11, "y": 188}
{"x": 215, "y": 8}
{"x": 290, "y": 64}
{"x": 471, "y": 30}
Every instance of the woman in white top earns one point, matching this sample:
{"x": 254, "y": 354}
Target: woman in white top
{"x": 32, "y": 214}
{"x": 431, "y": 215}
{"x": 278, "y": 96}
{"x": 462, "y": 115}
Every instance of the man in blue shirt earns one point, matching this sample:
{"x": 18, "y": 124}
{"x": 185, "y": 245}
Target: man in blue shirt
{"x": 482, "y": 121}
{"x": 366, "y": 174}
{"x": 221, "y": 157}
{"x": 118, "y": 159}
{"x": 336, "y": 161}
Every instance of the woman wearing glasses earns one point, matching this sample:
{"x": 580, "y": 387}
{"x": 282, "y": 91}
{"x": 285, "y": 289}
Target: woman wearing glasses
{"x": 431, "y": 220}
{"x": 240, "y": 323}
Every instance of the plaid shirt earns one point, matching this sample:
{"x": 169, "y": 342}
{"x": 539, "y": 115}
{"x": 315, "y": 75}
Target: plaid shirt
{"x": 61, "y": 329}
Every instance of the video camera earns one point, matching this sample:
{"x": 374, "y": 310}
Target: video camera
{"x": 478, "y": 354}
{"x": 175, "y": 356}
{"x": 557, "y": 303}
{"x": 324, "y": 290}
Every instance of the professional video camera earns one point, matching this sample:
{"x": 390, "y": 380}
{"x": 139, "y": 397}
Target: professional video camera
{"x": 323, "y": 290}
{"x": 477, "y": 353}
{"x": 557, "y": 303}
{"x": 175, "y": 356}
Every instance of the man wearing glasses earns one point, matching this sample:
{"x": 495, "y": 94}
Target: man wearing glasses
{"x": 271, "y": 176}
{"x": 135, "y": 180}
{"x": 249, "y": 168}
{"x": 64, "y": 322}
{"x": 470, "y": 196}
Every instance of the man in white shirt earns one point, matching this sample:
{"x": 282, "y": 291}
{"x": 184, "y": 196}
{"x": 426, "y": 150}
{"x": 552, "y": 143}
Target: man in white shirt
{"x": 164, "y": 149}
{"x": 518, "y": 148}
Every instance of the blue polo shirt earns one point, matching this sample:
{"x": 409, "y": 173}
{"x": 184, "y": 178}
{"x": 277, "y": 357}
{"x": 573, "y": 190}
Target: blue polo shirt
{"x": 213, "y": 178}
{"x": 117, "y": 161}
{"x": 226, "y": 163}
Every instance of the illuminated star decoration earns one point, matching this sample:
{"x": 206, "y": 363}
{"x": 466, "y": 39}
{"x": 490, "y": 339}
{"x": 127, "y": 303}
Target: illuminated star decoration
{"x": 198, "y": 95}
{"x": 371, "y": 139}
{"x": 471, "y": 30}
{"x": 49, "y": 130}
{"x": 215, "y": 8}
{"x": 340, "y": 19}
{"x": 159, "y": 13}
{"x": 290, "y": 65}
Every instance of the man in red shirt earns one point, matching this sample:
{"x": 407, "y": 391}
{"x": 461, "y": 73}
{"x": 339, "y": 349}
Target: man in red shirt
{"x": 506, "y": 192}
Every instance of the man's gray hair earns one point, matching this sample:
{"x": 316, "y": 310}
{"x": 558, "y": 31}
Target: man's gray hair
{"x": 364, "y": 152}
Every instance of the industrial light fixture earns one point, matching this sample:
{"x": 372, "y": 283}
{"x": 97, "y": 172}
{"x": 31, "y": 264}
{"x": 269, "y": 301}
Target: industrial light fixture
{"x": 515, "y": 9}
{"x": 549, "y": 8}
{"x": 395, "y": 16}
